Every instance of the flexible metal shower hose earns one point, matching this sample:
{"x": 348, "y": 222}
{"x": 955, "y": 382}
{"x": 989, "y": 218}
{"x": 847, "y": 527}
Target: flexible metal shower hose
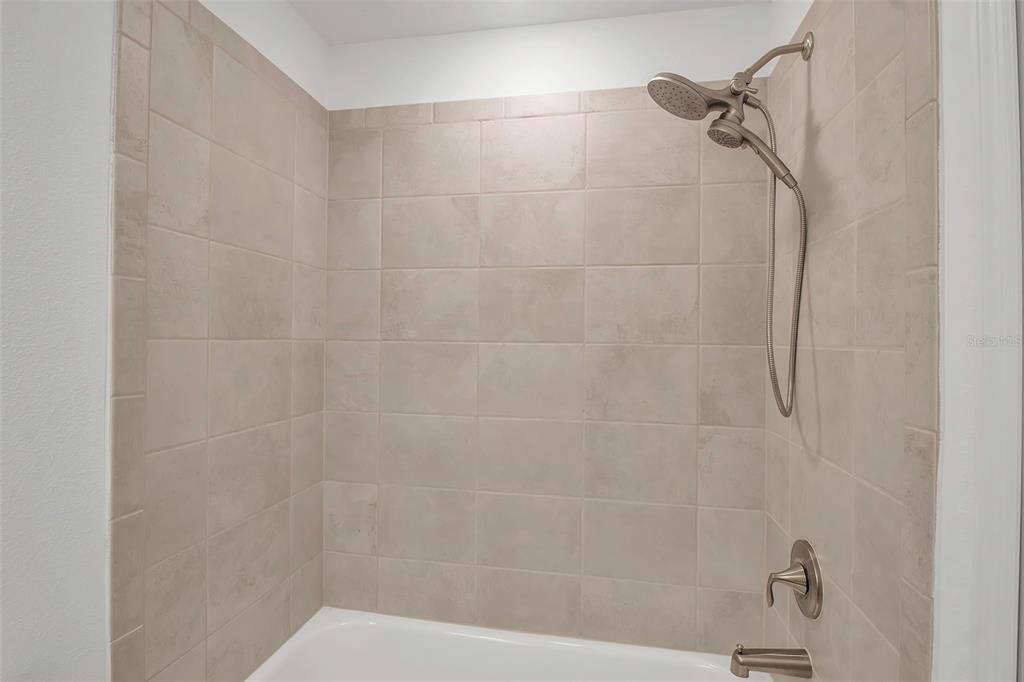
{"x": 785, "y": 406}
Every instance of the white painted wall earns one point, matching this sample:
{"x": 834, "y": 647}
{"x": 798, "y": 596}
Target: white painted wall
{"x": 283, "y": 36}
{"x": 54, "y": 279}
{"x": 704, "y": 44}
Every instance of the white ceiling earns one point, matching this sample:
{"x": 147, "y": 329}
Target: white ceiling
{"x": 342, "y": 22}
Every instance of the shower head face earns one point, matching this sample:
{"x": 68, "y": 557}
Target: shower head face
{"x": 727, "y": 136}
{"x": 679, "y": 96}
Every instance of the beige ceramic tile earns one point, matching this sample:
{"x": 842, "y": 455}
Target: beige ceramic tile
{"x": 238, "y": 648}
{"x": 820, "y": 637}
{"x": 725, "y": 618}
{"x": 351, "y": 370}
{"x": 922, "y": 184}
{"x": 878, "y": 37}
{"x": 438, "y": 159}
{"x": 877, "y": 418}
{"x": 350, "y": 517}
{"x": 189, "y": 668}
{"x": 881, "y": 241}
{"x": 641, "y": 462}
{"x": 307, "y": 586}
{"x": 830, "y": 290}
{"x": 529, "y": 532}
{"x": 732, "y": 304}
{"x": 824, "y": 420}
{"x": 918, "y": 524}
{"x": 531, "y": 380}
{"x": 875, "y": 538}
{"x": 135, "y": 18}
{"x": 525, "y": 456}
{"x": 871, "y": 656}
{"x": 431, "y": 232}
{"x": 831, "y": 84}
{"x": 643, "y": 226}
{"x": 398, "y": 115}
{"x": 245, "y": 562}
{"x": 250, "y": 206}
{"x": 128, "y": 657}
{"x": 350, "y": 581}
{"x": 127, "y": 448}
{"x": 307, "y": 377}
{"x": 175, "y": 501}
{"x": 534, "y": 602}
{"x": 177, "y": 285}
{"x": 776, "y": 452}
{"x": 522, "y": 155}
{"x": 307, "y": 526}
{"x": 352, "y": 444}
{"x": 821, "y": 496}
{"x": 881, "y": 140}
{"x": 307, "y": 451}
{"x": 920, "y": 35}
{"x": 468, "y": 110}
{"x": 247, "y": 473}
{"x": 346, "y": 120}
{"x": 733, "y": 223}
{"x": 354, "y": 170}
{"x": 182, "y": 72}
{"x": 429, "y": 378}
{"x": 420, "y": 523}
{"x": 129, "y": 336}
{"x": 439, "y": 452}
{"x": 639, "y": 613}
{"x": 249, "y": 383}
{"x": 653, "y": 543}
{"x": 642, "y": 305}
{"x": 639, "y": 148}
{"x": 531, "y": 304}
{"x": 132, "y": 104}
{"x": 175, "y": 607}
{"x": 731, "y": 550}
{"x": 179, "y": 178}
{"x": 542, "y": 105}
{"x": 731, "y": 466}
{"x": 250, "y": 295}
{"x": 642, "y": 383}
{"x": 353, "y": 234}
{"x": 418, "y": 589}
{"x": 532, "y": 229}
{"x": 251, "y": 118}
{"x": 311, "y": 149}
{"x": 353, "y": 305}
{"x": 127, "y": 574}
{"x": 129, "y": 217}
{"x": 176, "y": 384}
{"x": 829, "y": 173}
{"x": 915, "y": 635}
{"x": 616, "y": 99}
{"x": 921, "y": 350}
{"x": 429, "y": 305}
{"x": 309, "y": 239}
{"x": 309, "y": 300}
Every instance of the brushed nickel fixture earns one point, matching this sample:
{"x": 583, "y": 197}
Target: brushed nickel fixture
{"x": 791, "y": 662}
{"x": 684, "y": 98}
{"x": 803, "y": 577}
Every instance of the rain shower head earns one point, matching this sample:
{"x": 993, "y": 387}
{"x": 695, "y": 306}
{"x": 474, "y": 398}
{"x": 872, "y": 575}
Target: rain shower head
{"x": 682, "y": 97}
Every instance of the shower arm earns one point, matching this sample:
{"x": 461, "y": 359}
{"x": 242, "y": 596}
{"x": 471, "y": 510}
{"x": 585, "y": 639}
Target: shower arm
{"x": 741, "y": 81}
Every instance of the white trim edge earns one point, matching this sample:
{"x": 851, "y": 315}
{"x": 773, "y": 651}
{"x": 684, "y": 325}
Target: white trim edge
{"x": 978, "y": 498}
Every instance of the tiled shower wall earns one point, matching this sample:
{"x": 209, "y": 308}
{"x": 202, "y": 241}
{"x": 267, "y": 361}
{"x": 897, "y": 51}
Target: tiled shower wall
{"x": 218, "y": 288}
{"x": 855, "y": 470}
{"x": 544, "y": 370}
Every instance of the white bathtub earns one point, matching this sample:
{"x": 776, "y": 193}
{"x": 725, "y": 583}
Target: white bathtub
{"x": 352, "y": 645}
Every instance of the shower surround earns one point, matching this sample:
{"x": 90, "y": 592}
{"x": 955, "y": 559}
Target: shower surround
{"x": 544, "y": 373}
{"x": 500, "y": 362}
{"x": 218, "y": 285}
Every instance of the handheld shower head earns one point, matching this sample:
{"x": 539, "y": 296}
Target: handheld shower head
{"x": 732, "y": 135}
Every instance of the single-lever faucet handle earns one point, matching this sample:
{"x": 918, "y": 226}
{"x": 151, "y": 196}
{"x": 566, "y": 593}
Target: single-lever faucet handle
{"x": 794, "y": 577}
{"x": 803, "y": 577}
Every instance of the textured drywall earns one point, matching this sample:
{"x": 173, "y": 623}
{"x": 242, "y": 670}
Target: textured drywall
{"x": 57, "y": 63}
